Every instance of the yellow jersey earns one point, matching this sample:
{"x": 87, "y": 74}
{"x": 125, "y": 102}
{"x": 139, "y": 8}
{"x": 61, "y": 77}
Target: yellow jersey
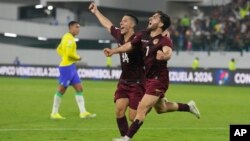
{"x": 67, "y": 50}
{"x": 195, "y": 64}
{"x": 232, "y": 66}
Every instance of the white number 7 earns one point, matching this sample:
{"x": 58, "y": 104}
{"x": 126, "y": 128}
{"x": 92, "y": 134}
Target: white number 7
{"x": 147, "y": 50}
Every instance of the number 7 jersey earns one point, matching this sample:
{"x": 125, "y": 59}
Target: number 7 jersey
{"x": 149, "y": 47}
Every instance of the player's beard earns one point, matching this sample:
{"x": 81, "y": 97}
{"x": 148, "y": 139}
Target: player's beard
{"x": 152, "y": 27}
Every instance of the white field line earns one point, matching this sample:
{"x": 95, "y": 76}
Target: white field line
{"x": 101, "y": 129}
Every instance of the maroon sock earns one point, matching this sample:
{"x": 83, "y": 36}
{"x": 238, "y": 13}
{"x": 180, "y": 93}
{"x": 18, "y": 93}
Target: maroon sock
{"x": 122, "y": 125}
{"x": 183, "y": 107}
{"x": 134, "y": 127}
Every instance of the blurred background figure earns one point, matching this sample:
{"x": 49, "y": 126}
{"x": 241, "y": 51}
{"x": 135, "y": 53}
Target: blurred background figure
{"x": 232, "y": 65}
{"x": 108, "y": 62}
{"x": 17, "y": 62}
{"x": 195, "y": 64}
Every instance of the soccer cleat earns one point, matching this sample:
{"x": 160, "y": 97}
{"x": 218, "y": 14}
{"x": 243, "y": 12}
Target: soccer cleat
{"x": 193, "y": 109}
{"x": 87, "y": 115}
{"x": 56, "y": 116}
{"x": 121, "y": 139}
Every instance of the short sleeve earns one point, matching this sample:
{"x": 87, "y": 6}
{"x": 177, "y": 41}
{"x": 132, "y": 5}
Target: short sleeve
{"x": 167, "y": 42}
{"x": 115, "y": 32}
{"x": 136, "y": 41}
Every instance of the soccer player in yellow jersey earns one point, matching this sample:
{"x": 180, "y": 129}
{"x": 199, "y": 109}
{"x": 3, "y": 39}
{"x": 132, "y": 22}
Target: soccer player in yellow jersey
{"x": 68, "y": 73}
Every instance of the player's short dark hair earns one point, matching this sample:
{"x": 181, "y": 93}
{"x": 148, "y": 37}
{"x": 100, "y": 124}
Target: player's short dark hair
{"x": 134, "y": 18}
{"x": 72, "y": 23}
{"x": 165, "y": 19}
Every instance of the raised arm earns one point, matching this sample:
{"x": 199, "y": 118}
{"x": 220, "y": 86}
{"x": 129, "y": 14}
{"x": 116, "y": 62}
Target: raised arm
{"x": 106, "y": 23}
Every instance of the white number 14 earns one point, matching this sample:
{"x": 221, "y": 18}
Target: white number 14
{"x": 125, "y": 57}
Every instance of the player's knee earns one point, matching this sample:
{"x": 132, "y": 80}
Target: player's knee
{"x": 79, "y": 90}
{"x": 78, "y": 87}
{"x": 62, "y": 90}
{"x": 159, "y": 110}
{"x": 131, "y": 118}
{"x": 120, "y": 112}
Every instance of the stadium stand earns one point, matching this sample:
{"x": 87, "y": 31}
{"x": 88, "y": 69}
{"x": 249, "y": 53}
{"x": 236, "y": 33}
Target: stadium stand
{"x": 218, "y": 28}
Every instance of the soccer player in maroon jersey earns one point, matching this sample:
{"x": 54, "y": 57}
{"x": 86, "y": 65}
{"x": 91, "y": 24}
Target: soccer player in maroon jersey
{"x": 157, "y": 50}
{"x": 130, "y": 89}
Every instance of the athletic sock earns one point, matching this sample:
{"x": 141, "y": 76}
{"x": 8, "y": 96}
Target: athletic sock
{"x": 56, "y": 103}
{"x": 122, "y": 124}
{"x": 80, "y": 102}
{"x": 134, "y": 127}
{"x": 183, "y": 107}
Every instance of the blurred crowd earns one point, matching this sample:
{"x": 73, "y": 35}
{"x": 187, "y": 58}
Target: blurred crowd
{"x": 222, "y": 28}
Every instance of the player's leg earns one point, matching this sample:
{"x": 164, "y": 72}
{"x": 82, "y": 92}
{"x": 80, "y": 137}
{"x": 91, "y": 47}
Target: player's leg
{"x": 76, "y": 83}
{"x": 144, "y": 106}
{"x": 121, "y": 99}
{"x": 135, "y": 93}
{"x": 146, "y": 103}
{"x": 81, "y": 101}
{"x": 56, "y": 103}
{"x": 132, "y": 114}
{"x": 164, "y": 106}
{"x": 121, "y": 105}
{"x": 64, "y": 79}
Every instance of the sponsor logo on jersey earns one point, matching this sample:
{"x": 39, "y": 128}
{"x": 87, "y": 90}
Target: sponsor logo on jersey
{"x": 145, "y": 41}
{"x": 155, "y": 41}
{"x": 70, "y": 42}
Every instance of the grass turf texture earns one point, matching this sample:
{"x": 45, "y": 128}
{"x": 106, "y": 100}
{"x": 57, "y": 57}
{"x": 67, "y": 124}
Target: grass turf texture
{"x": 26, "y": 106}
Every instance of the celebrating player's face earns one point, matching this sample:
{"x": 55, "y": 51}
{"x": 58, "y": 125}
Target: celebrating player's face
{"x": 126, "y": 24}
{"x": 154, "y": 22}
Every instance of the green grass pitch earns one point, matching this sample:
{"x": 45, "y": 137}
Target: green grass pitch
{"x": 25, "y": 106}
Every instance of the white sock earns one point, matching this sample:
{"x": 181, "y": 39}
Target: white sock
{"x": 126, "y": 138}
{"x": 80, "y": 102}
{"x": 56, "y": 103}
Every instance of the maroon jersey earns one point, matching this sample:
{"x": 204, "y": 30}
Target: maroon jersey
{"x": 131, "y": 62}
{"x": 149, "y": 47}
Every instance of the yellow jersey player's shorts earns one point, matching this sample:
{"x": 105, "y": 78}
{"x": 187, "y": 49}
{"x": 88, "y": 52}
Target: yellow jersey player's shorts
{"x": 68, "y": 75}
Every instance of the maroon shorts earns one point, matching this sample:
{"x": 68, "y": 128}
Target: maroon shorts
{"x": 156, "y": 87}
{"x": 133, "y": 91}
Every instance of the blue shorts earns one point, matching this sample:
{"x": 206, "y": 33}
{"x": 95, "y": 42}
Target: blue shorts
{"x": 68, "y": 75}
